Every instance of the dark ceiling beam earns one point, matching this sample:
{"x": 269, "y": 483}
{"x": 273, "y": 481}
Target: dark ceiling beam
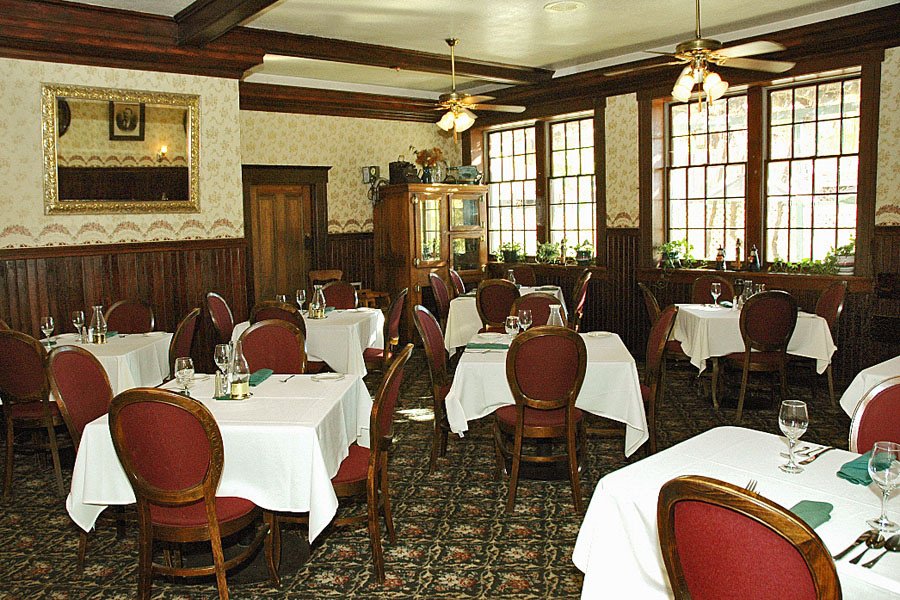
{"x": 205, "y": 20}
{"x": 308, "y": 46}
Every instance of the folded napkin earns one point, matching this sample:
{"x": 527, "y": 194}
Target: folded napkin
{"x": 227, "y": 397}
{"x": 812, "y": 512}
{"x": 726, "y": 303}
{"x": 486, "y": 346}
{"x": 547, "y": 288}
{"x": 857, "y": 470}
{"x": 110, "y": 334}
{"x": 259, "y": 376}
{"x": 471, "y": 294}
{"x": 329, "y": 309}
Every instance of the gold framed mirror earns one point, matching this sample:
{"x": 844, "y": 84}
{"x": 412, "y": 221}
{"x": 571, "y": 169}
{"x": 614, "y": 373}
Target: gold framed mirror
{"x": 119, "y": 151}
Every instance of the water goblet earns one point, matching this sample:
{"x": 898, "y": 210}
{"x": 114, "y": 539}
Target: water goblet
{"x": 301, "y": 298}
{"x": 525, "y": 318}
{"x": 793, "y": 419}
{"x": 884, "y": 468}
{"x": 715, "y": 290}
{"x": 222, "y": 357}
{"x": 281, "y": 298}
{"x": 47, "y": 328}
{"x": 512, "y": 325}
{"x": 78, "y": 320}
{"x": 184, "y": 373}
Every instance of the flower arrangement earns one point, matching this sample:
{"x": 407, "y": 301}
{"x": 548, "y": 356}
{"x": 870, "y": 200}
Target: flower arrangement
{"x": 428, "y": 157}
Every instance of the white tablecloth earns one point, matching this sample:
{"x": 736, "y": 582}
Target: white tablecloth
{"x": 463, "y": 321}
{"x": 611, "y": 388}
{"x": 132, "y": 360}
{"x": 340, "y": 338}
{"x": 707, "y": 331}
{"x": 282, "y": 447}
{"x": 618, "y": 548}
{"x": 866, "y": 380}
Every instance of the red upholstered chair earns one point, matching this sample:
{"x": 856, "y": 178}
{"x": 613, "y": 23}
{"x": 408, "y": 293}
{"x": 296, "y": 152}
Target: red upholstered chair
{"x": 171, "y": 451}
{"x": 877, "y": 417}
{"x": 579, "y": 295}
{"x": 276, "y": 345}
{"x": 83, "y": 393}
{"x": 494, "y": 299}
{"x": 220, "y": 314}
{"x": 700, "y": 290}
{"x": 26, "y": 398}
{"x": 3, "y": 325}
{"x": 539, "y": 304}
{"x": 674, "y": 350}
{"x": 829, "y": 307}
{"x": 767, "y": 324}
{"x": 433, "y": 340}
{"x": 378, "y": 359}
{"x": 653, "y": 388}
{"x": 721, "y": 542}
{"x": 323, "y": 276}
{"x": 183, "y": 340}
{"x": 340, "y": 294}
{"x": 441, "y": 297}
{"x": 524, "y": 275}
{"x": 130, "y": 316}
{"x": 273, "y": 309}
{"x": 459, "y": 287}
{"x": 365, "y": 470}
{"x": 545, "y": 369}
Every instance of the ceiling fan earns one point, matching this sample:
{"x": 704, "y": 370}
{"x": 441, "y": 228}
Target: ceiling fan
{"x": 459, "y": 105}
{"x": 699, "y": 53}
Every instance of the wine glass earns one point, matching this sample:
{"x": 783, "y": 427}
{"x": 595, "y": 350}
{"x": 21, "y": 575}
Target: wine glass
{"x": 525, "y": 319}
{"x": 301, "y": 298}
{"x": 793, "y": 420}
{"x": 78, "y": 320}
{"x": 512, "y": 325}
{"x": 281, "y": 298}
{"x": 184, "y": 372}
{"x": 715, "y": 290}
{"x": 222, "y": 357}
{"x": 884, "y": 468}
{"x": 47, "y": 328}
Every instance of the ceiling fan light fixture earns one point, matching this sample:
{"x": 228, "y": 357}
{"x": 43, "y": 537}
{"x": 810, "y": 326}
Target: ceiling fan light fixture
{"x": 465, "y": 119}
{"x": 446, "y": 122}
{"x": 682, "y": 93}
{"x": 714, "y": 87}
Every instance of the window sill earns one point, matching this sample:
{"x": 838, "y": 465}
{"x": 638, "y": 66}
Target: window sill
{"x": 501, "y": 267}
{"x": 790, "y": 281}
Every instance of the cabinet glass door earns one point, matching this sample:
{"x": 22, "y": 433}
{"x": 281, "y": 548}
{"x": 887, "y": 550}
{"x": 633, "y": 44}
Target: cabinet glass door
{"x": 467, "y": 253}
{"x": 465, "y": 211}
{"x": 429, "y": 228}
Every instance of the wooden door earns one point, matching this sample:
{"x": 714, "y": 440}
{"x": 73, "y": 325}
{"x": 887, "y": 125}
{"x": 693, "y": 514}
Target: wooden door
{"x": 280, "y": 223}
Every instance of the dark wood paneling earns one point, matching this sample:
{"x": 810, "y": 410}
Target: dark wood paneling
{"x": 171, "y": 277}
{"x": 622, "y": 308}
{"x": 354, "y": 254}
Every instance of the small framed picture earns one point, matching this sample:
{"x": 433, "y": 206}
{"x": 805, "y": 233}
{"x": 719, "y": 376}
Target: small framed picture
{"x": 126, "y": 121}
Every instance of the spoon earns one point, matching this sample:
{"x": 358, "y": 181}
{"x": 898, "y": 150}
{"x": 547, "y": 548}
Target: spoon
{"x": 862, "y": 538}
{"x": 873, "y": 542}
{"x": 891, "y": 545}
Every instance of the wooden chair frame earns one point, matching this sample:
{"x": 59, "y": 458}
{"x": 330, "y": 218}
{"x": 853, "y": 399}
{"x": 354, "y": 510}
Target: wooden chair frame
{"x": 441, "y": 294}
{"x": 486, "y": 283}
{"x": 134, "y": 301}
{"x": 146, "y": 494}
{"x": 579, "y": 298}
{"x": 295, "y": 331}
{"x": 223, "y": 336}
{"x": 753, "y": 506}
{"x": 706, "y": 281}
{"x": 292, "y": 314}
{"x": 655, "y": 370}
{"x": 341, "y": 282}
{"x": 832, "y": 320}
{"x": 860, "y": 410}
{"x": 550, "y": 298}
{"x": 391, "y": 341}
{"x": 440, "y": 381}
{"x": 324, "y": 275}
{"x": 179, "y": 331}
{"x": 459, "y": 286}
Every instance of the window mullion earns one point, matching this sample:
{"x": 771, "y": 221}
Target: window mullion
{"x": 757, "y": 141}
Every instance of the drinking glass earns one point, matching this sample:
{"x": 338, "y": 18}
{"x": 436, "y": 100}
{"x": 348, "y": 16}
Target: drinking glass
{"x": 281, "y": 298}
{"x": 184, "y": 372}
{"x": 222, "y": 357}
{"x": 47, "y": 328}
{"x": 511, "y": 275}
{"x": 525, "y": 319}
{"x": 512, "y": 325}
{"x": 715, "y": 290}
{"x": 884, "y": 468}
{"x": 78, "y": 320}
{"x": 301, "y": 298}
{"x": 793, "y": 420}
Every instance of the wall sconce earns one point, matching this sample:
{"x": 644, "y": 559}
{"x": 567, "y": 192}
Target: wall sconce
{"x": 161, "y": 155}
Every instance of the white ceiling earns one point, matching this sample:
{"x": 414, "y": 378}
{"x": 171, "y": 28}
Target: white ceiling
{"x": 518, "y": 32}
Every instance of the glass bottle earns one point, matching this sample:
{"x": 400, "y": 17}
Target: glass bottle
{"x": 555, "y": 318}
{"x": 240, "y": 373}
{"x": 317, "y": 304}
{"x": 98, "y": 326}
{"x": 511, "y": 275}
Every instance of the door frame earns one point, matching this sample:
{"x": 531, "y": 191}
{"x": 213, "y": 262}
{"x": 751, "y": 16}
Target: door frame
{"x": 316, "y": 178}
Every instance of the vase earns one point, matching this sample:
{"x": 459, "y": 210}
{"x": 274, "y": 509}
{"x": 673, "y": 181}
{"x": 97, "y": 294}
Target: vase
{"x": 555, "y": 319}
{"x": 426, "y": 175}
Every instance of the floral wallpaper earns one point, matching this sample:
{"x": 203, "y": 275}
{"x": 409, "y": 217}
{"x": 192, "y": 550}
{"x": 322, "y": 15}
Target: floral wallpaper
{"x": 346, "y": 145}
{"x": 24, "y": 223}
{"x": 887, "y": 191}
{"x": 622, "y": 187}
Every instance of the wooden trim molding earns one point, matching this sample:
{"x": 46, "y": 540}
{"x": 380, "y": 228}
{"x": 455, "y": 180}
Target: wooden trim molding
{"x": 787, "y": 281}
{"x": 205, "y": 20}
{"x": 7, "y": 254}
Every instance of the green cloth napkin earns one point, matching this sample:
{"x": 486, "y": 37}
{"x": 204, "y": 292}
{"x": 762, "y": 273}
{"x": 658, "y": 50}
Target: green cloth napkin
{"x": 260, "y": 376}
{"x": 857, "y": 470}
{"x": 329, "y": 309}
{"x": 486, "y": 346}
{"x": 812, "y": 512}
{"x": 226, "y": 397}
{"x": 110, "y": 334}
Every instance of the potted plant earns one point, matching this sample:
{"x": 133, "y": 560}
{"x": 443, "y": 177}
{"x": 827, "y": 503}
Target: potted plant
{"x": 547, "y": 252}
{"x": 671, "y": 253}
{"x": 844, "y": 257}
{"x": 584, "y": 253}
{"x": 511, "y": 251}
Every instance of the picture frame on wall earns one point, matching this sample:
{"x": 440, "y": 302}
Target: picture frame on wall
{"x": 126, "y": 121}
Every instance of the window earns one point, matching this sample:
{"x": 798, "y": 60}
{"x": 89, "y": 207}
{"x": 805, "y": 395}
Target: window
{"x": 706, "y": 173}
{"x": 573, "y": 211}
{"x": 512, "y": 197}
{"x": 811, "y": 164}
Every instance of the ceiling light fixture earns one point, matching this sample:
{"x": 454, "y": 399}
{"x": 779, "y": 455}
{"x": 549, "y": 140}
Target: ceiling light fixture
{"x": 698, "y": 74}
{"x": 563, "y": 6}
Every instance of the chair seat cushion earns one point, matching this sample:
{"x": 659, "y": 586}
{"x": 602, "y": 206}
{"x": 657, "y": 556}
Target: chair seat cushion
{"x": 645, "y": 392}
{"x": 674, "y": 346}
{"x": 355, "y": 467}
{"x": 373, "y": 354}
{"x": 535, "y": 417}
{"x": 316, "y": 366}
{"x": 228, "y": 508}
{"x": 768, "y": 358}
{"x": 32, "y": 410}
{"x": 493, "y": 329}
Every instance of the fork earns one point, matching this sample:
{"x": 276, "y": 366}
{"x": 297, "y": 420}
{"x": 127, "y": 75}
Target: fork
{"x": 751, "y": 485}
{"x": 816, "y": 455}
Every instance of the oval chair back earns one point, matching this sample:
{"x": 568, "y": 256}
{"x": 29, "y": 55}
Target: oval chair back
{"x": 876, "y": 417}
{"x": 524, "y": 275}
{"x": 182, "y": 342}
{"x": 441, "y": 297}
{"x": 580, "y": 299}
{"x": 701, "y": 287}
{"x": 650, "y": 302}
{"x": 768, "y": 320}
{"x": 494, "y": 299}
{"x": 273, "y": 309}
{"x": 323, "y": 276}
{"x": 653, "y": 375}
{"x": 221, "y": 317}
{"x": 392, "y": 324}
{"x": 81, "y": 387}
{"x": 539, "y": 304}
{"x": 831, "y": 303}
{"x": 340, "y": 295}
{"x": 459, "y": 287}
{"x": 274, "y": 344}
{"x": 130, "y": 316}
{"x": 433, "y": 340}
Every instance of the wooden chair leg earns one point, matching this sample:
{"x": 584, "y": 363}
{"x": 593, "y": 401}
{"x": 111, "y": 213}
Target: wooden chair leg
{"x": 662, "y": 382}
{"x": 435, "y": 445}
{"x": 744, "y": 378}
{"x": 54, "y": 454}
{"x": 715, "y": 383}
{"x": 830, "y": 386}
{"x": 499, "y": 457}
{"x": 572, "y": 451}
{"x": 7, "y": 480}
{"x": 82, "y": 550}
{"x": 272, "y": 561}
{"x": 215, "y": 540}
{"x": 651, "y": 423}
{"x": 782, "y": 369}
{"x": 386, "y": 501}
{"x": 514, "y": 475}
{"x": 145, "y": 561}
{"x": 375, "y": 531}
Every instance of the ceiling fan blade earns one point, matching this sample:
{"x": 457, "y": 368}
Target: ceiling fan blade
{"x": 750, "y": 49}
{"x": 498, "y": 108}
{"x": 475, "y": 99}
{"x": 643, "y": 68}
{"x": 756, "y": 64}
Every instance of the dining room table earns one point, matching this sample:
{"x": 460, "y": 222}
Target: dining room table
{"x": 340, "y": 338}
{"x": 463, "y": 321}
{"x": 710, "y": 330}
{"x": 611, "y": 387}
{"x": 618, "y": 548}
{"x": 865, "y": 380}
{"x": 130, "y": 360}
{"x": 282, "y": 447}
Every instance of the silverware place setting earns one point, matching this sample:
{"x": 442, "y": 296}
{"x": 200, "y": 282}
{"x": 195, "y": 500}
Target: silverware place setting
{"x": 875, "y": 541}
{"x": 891, "y": 545}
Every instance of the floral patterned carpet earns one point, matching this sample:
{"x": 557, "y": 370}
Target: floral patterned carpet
{"x": 454, "y": 539}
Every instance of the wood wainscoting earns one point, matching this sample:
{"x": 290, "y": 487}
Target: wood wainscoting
{"x": 352, "y": 253}
{"x": 172, "y": 277}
